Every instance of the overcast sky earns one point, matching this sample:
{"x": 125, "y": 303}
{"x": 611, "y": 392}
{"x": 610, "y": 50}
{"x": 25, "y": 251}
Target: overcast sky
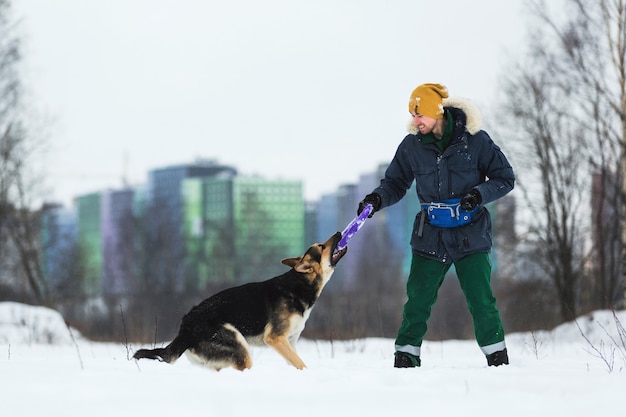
{"x": 301, "y": 90}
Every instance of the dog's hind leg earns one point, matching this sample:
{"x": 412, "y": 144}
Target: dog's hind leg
{"x": 226, "y": 347}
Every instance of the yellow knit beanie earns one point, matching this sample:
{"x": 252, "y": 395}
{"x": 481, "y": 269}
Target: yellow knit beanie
{"x": 427, "y": 100}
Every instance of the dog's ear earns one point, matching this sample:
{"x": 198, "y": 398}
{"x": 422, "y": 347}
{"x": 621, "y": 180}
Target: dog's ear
{"x": 304, "y": 267}
{"x": 298, "y": 265}
{"x": 291, "y": 262}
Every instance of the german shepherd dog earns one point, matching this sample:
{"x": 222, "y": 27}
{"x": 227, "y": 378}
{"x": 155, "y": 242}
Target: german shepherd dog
{"x": 217, "y": 332}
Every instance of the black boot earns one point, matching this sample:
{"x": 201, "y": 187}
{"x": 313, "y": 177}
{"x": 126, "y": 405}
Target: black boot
{"x": 406, "y": 360}
{"x": 498, "y": 358}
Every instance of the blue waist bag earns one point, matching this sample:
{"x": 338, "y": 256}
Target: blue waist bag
{"x": 448, "y": 213}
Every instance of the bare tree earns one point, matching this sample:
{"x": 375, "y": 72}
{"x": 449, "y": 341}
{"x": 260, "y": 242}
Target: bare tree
{"x": 557, "y": 206}
{"x": 19, "y": 239}
{"x": 567, "y": 99}
{"x": 610, "y": 288}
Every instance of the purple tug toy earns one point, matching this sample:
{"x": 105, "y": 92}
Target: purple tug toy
{"x": 353, "y": 227}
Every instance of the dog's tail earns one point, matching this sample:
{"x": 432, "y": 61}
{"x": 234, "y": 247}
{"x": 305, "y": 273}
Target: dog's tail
{"x": 167, "y": 354}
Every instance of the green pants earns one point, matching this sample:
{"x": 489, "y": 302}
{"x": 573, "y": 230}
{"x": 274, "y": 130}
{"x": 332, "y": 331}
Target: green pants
{"x": 425, "y": 278}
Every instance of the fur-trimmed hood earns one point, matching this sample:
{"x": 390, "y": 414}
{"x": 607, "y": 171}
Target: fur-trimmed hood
{"x": 472, "y": 114}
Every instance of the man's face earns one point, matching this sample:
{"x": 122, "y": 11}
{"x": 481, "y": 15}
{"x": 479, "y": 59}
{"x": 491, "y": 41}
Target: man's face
{"x": 423, "y": 123}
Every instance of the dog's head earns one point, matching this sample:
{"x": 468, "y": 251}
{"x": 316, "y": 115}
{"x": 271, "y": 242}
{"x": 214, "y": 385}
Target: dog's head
{"x": 319, "y": 260}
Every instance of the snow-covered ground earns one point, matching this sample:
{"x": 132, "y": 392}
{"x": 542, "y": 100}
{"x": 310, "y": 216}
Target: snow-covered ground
{"x": 47, "y": 369}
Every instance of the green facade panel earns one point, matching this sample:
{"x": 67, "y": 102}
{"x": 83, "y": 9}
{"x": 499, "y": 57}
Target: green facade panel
{"x": 90, "y": 242}
{"x": 238, "y": 229}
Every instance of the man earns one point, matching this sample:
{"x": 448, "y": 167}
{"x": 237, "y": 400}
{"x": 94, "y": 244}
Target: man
{"x": 457, "y": 170}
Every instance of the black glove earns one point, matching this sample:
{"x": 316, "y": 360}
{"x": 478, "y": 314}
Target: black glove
{"x": 373, "y": 199}
{"x": 471, "y": 200}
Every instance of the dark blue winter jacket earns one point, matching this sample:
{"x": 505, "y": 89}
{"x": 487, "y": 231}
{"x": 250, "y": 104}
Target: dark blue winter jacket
{"x": 470, "y": 161}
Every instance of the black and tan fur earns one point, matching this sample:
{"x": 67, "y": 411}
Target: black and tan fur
{"x": 217, "y": 332}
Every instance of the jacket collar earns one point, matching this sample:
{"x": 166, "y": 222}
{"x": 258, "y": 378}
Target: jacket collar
{"x": 449, "y": 130}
